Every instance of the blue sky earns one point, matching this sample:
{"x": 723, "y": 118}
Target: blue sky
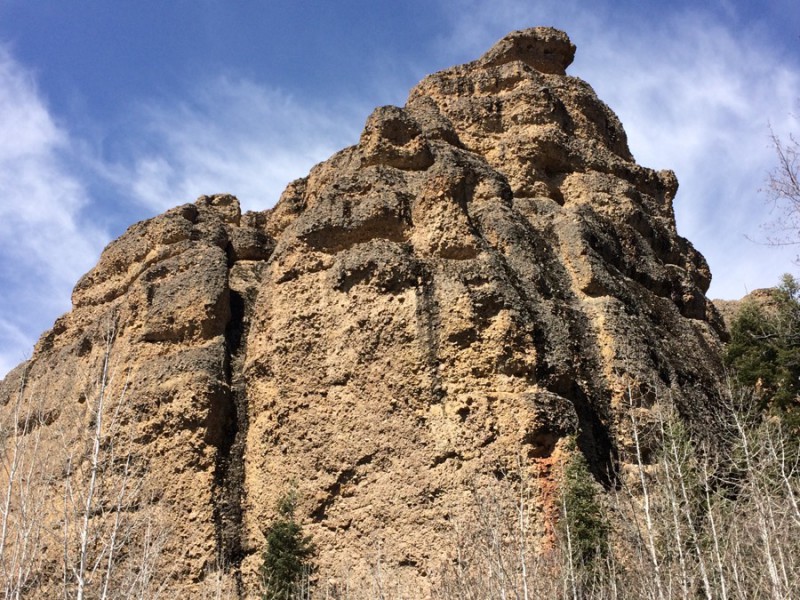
{"x": 111, "y": 112}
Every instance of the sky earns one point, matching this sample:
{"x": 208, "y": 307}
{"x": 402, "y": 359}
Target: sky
{"x": 112, "y": 112}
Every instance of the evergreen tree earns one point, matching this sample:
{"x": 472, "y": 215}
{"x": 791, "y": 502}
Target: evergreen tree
{"x": 764, "y": 351}
{"x": 583, "y": 515}
{"x": 287, "y": 557}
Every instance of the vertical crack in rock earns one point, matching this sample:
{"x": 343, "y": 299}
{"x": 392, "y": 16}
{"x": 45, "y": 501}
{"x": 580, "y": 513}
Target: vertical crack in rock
{"x": 428, "y": 326}
{"x": 229, "y": 474}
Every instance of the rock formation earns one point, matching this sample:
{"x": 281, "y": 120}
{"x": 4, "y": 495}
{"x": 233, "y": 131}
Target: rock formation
{"x": 485, "y": 274}
{"x": 729, "y": 309}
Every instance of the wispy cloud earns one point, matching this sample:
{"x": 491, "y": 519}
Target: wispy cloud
{"x": 700, "y": 102}
{"x": 695, "y": 96}
{"x": 233, "y": 136}
{"x": 45, "y": 243}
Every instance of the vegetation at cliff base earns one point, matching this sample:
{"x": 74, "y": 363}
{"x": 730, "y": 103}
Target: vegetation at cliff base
{"x": 583, "y": 524}
{"x": 764, "y": 351}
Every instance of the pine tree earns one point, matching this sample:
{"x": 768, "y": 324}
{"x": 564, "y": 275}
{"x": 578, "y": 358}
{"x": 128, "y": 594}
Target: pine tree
{"x": 583, "y": 515}
{"x": 287, "y": 557}
{"x": 764, "y": 351}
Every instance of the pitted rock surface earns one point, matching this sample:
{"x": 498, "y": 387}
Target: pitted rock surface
{"x": 486, "y": 273}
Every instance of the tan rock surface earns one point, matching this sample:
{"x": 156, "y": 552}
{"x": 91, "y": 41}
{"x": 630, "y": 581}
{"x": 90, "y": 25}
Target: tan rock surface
{"x": 485, "y": 273}
{"x": 729, "y": 309}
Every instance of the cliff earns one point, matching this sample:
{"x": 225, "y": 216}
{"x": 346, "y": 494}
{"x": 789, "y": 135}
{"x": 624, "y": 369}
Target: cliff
{"x": 486, "y": 274}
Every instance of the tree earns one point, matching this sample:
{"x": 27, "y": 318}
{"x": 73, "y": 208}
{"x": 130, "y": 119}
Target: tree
{"x": 783, "y": 192}
{"x": 287, "y": 557}
{"x": 764, "y": 350}
{"x": 583, "y": 521}
{"x": 75, "y": 517}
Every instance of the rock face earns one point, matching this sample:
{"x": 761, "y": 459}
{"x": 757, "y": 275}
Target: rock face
{"x": 486, "y": 273}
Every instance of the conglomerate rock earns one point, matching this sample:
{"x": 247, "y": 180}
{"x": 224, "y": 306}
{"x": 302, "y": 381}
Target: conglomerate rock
{"x": 486, "y": 273}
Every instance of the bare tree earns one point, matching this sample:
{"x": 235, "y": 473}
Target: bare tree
{"x": 112, "y": 535}
{"x": 23, "y": 495}
{"x": 76, "y": 519}
{"x": 783, "y": 190}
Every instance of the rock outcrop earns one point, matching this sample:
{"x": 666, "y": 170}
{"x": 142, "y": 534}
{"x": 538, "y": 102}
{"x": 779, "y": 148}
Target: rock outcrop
{"x": 487, "y": 273}
{"x": 729, "y": 309}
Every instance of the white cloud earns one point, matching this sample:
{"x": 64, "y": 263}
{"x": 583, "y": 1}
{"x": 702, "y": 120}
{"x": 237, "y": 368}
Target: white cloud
{"x": 230, "y": 136}
{"x": 45, "y": 244}
{"x": 698, "y": 98}
{"x": 234, "y": 136}
{"x": 693, "y": 96}
{"x": 16, "y": 345}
